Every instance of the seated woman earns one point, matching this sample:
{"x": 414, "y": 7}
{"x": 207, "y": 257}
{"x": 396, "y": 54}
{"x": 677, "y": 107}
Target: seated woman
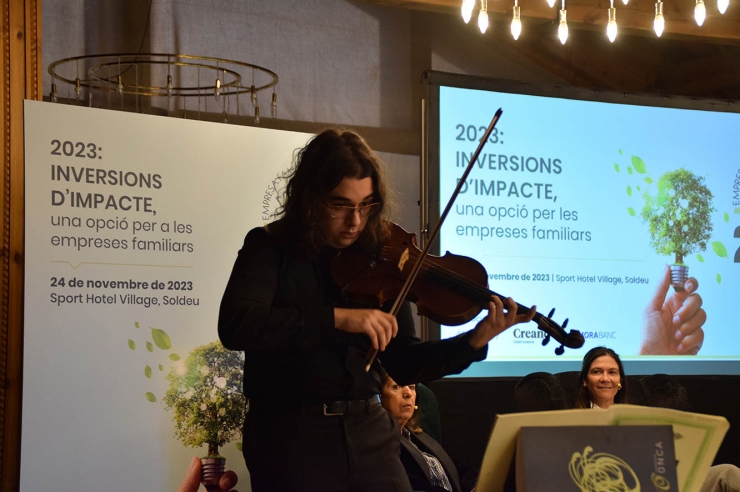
{"x": 602, "y": 383}
{"x": 429, "y": 467}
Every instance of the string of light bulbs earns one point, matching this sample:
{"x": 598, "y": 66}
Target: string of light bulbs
{"x": 468, "y": 7}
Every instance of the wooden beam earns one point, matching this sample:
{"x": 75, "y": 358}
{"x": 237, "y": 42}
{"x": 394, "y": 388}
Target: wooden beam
{"x": 719, "y": 69}
{"x": 21, "y": 63}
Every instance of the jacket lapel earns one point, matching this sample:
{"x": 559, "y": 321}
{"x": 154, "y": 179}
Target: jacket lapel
{"x": 431, "y": 446}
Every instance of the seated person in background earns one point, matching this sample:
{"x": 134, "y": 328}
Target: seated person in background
{"x": 603, "y": 383}
{"x": 429, "y": 467}
{"x": 602, "y": 380}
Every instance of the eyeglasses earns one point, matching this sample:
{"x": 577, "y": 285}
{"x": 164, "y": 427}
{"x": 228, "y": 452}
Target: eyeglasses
{"x": 344, "y": 212}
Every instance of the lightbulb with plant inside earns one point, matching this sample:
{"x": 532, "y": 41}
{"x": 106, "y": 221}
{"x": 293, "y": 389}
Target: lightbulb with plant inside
{"x": 678, "y": 215}
{"x": 205, "y": 396}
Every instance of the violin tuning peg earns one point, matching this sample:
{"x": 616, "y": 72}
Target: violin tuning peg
{"x": 565, "y": 323}
{"x": 559, "y": 351}
{"x": 546, "y": 340}
{"x": 552, "y": 311}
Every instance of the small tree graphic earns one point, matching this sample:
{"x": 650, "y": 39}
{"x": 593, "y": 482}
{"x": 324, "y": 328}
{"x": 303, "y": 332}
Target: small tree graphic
{"x": 679, "y": 218}
{"x": 206, "y": 397}
{"x": 665, "y": 235}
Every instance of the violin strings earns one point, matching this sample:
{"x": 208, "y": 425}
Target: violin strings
{"x": 453, "y": 279}
{"x": 474, "y": 289}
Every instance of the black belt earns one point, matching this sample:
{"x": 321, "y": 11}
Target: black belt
{"x": 329, "y": 409}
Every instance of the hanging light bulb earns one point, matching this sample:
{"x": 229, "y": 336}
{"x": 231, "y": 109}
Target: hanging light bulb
{"x": 625, "y": 2}
{"x": 516, "y": 21}
{"x": 659, "y": 22}
{"x": 611, "y": 26}
{"x": 563, "y": 27}
{"x": 169, "y": 85}
{"x": 217, "y": 90}
{"x": 224, "y": 116}
{"x": 722, "y": 6}
{"x": 700, "y": 12}
{"x": 256, "y": 115}
{"x": 119, "y": 85}
{"x": 483, "y": 17}
{"x": 53, "y": 95}
{"x": 551, "y": 3}
{"x": 253, "y": 96}
{"x": 467, "y": 10}
{"x": 78, "y": 88}
{"x": 273, "y": 106}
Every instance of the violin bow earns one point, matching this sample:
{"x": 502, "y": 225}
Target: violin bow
{"x": 373, "y": 352}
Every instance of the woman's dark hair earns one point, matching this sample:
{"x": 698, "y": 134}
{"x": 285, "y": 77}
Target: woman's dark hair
{"x": 320, "y": 166}
{"x": 583, "y": 399}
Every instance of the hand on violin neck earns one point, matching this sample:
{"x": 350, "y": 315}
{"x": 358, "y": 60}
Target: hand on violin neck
{"x": 380, "y": 327}
{"x": 501, "y": 315}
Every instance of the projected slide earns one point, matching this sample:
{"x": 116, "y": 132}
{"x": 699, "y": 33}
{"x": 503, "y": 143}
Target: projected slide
{"x": 582, "y": 206}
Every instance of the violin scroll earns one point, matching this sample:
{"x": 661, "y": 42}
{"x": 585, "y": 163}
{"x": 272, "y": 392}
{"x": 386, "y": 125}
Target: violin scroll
{"x": 572, "y": 339}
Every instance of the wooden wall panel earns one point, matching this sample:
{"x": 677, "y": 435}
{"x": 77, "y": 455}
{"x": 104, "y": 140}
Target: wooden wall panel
{"x": 21, "y": 69}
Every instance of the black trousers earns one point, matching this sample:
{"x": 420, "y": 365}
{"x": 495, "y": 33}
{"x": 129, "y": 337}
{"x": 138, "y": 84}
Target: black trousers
{"x": 302, "y": 452}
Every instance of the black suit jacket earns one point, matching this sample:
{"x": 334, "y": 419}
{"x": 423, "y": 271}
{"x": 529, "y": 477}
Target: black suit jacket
{"x": 278, "y": 308}
{"x": 417, "y": 468}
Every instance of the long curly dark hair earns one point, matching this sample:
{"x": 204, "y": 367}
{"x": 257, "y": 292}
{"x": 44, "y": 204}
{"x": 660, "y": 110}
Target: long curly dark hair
{"x": 583, "y": 399}
{"x": 327, "y": 159}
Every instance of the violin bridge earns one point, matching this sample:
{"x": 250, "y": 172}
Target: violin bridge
{"x": 404, "y": 258}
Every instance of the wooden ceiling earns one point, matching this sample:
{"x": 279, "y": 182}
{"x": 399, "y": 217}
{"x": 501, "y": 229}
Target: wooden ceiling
{"x": 687, "y": 60}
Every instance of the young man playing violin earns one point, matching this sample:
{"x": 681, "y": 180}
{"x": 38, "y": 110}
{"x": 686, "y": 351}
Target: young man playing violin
{"x": 315, "y": 421}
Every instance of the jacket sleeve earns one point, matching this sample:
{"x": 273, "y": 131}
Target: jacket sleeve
{"x": 408, "y": 360}
{"x": 249, "y": 318}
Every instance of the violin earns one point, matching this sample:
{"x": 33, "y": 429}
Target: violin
{"x": 449, "y": 290}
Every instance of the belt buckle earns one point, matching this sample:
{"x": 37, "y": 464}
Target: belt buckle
{"x": 331, "y": 414}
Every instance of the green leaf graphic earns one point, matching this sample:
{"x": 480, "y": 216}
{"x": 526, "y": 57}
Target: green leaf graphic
{"x": 148, "y": 372}
{"x": 149, "y": 346}
{"x": 631, "y": 211}
{"x": 629, "y": 190}
{"x": 648, "y": 180}
{"x": 620, "y": 151}
{"x": 719, "y": 249}
{"x": 629, "y": 170}
{"x": 719, "y": 278}
{"x": 150, "y": 396}
{"x": 616, "y": 167}
{"x": 239, "y": 446}
{"x": 727, "y": 217}
{"x": 136, "y": 324}
{"x": 174, "y": 357}
{"x": 161, "y": 368}
{"x": 700, "y": 258}
{"x": 638, "y": 187}
{"x": 161, "y": 338}
{"x": 638, "y": 165}
{"x": 131, "y": 344}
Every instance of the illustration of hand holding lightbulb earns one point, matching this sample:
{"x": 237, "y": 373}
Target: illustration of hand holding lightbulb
{"x": 679, "y": 220}
{"x": 192, "y": 480}
{"x": 673, "y": 325}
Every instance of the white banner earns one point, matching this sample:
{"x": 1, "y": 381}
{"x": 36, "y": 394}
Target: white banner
{"x": 133, "y": 223}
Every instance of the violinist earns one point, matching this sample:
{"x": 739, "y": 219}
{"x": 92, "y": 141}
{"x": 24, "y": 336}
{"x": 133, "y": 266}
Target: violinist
{"x": 314, "y": 419}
